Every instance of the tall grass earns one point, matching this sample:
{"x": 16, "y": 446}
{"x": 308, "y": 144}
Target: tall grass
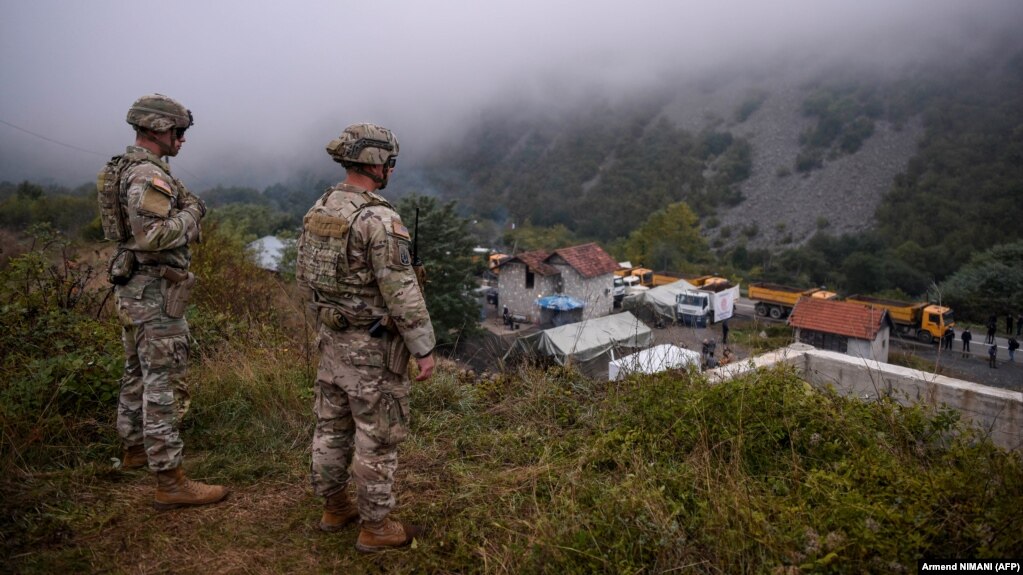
{"x": 529, "y": 471}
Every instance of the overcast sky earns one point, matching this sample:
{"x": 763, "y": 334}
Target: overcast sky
{"x": 271, "y": 82}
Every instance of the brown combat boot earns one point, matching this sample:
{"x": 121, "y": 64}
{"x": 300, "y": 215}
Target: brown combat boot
{"x": 385, "y": 534}
{"x": 173, "y": 490}
{"x": 338, "y": 512}
{"x": 135, "y": 457}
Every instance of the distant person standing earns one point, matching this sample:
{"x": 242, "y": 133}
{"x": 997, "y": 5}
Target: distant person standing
{"x": 1008, "y": 323}
{"x": 154, "y": 218}
{"x": 724, "y": 332}
{"x": 967, "y": 336}
{"x": 992, "y": 354}
{"x": 948, "y": 338}
{"x": 1013, "y": 346}
{"x": 1019, "y": 325}
{"x": 992, "y": 328}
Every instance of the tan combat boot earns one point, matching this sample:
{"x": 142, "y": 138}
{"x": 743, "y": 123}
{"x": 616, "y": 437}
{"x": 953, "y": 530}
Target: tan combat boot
{"x": 134, "y": 457}
{"x": 173, "y": 490}
{"x": 385, "y": 534}
{"x": 338, "y": 512}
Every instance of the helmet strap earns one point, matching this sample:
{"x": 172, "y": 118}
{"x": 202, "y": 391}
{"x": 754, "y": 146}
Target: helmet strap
{"x": 380, "y": 181}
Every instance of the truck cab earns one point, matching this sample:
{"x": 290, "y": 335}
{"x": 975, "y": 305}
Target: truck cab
{"x": 935, "y": 319}
{"x": 692, "y": 308}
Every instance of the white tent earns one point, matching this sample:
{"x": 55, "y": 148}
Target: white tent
{"x": 658, "y": 358}
{"x": 586, "y": 340}
{"x": 267, "y": 251}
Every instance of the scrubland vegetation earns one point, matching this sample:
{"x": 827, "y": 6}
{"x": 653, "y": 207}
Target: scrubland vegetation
{"x": 523, "y": 472}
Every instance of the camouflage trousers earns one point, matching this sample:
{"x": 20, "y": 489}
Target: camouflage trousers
{"x": 362, "y": 412}
{"x": 153, "y": 397}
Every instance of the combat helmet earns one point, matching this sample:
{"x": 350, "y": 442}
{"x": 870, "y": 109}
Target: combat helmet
{"x": 159, "y": 113}
{"x": 364, "y": 144}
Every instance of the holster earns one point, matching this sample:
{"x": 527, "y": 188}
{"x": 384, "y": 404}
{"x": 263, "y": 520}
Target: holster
{"x": 179, "y": 288}
{"x": 397, "y": 354}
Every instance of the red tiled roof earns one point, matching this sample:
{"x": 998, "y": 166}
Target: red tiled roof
{"x": 839, "y": 317}
{"x": 588, "y": 259}
{"x": 535, "y": 261}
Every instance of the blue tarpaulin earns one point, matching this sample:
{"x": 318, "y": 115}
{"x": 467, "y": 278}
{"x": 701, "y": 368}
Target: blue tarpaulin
{"x": 559, "y": 302}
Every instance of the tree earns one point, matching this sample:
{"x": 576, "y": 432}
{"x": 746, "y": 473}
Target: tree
{"x": 445, "y": 245}
{"x": 669, "y": 240}
{"x": 991, "y": 283}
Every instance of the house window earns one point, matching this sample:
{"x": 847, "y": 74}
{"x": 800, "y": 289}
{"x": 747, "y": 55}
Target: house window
{"x": 821, "y": 340}
{"x": 530, "y": 278}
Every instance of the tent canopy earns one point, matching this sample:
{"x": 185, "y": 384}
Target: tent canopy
{"x": 586, "y": 340}
{"x": 659, "y": 300}
{"x": 658, "y": 358}
{"x": 559, "y": 302}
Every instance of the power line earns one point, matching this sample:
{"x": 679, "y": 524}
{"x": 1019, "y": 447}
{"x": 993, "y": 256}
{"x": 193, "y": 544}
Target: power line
{"x": 51, "y": 140}
{"x": 73, "y": 147}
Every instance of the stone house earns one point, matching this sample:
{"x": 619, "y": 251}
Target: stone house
{"x": 585, "y": 273}
{"x": 846, "y": 327}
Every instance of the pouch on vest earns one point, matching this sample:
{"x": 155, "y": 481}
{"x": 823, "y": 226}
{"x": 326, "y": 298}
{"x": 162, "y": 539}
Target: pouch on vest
{"x": 122, "y": 267}
{"x": 323, "y": 257}
{"x": 108, "y": 193}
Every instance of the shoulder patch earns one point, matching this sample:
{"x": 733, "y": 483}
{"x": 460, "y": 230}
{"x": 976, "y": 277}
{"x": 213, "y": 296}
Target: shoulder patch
{"x": 156, "y": 198}
{"x": 161, "y": 186}
{"x": 399, "y": 229}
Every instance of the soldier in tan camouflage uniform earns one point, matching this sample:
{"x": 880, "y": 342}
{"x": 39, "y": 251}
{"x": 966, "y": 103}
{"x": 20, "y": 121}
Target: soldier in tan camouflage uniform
{"x": 158, "y": 218}
{"x": 355, "y": 265}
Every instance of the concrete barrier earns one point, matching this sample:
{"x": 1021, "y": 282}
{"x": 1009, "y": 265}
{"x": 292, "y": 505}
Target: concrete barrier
{"x": 996, "y": 412}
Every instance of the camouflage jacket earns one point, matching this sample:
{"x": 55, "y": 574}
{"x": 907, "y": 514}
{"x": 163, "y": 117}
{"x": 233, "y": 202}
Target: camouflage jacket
{"x": 354, "y": 257}
{"x": 159, "y": 230}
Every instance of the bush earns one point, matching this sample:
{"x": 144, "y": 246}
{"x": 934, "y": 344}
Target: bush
{"x": 61, "y": 364}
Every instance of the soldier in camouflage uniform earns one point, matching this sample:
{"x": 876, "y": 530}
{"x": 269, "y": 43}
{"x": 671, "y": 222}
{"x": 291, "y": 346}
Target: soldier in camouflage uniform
{"x": 355, "y": 266}
{"x": 159, "y": 218}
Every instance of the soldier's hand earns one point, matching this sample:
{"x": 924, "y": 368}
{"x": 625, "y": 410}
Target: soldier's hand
{"x": 196, "y": 201}
{"x": 425, "y": 367}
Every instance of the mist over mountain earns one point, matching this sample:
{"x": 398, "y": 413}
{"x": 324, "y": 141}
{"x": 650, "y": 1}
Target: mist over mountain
{"x": 769, "y": 153}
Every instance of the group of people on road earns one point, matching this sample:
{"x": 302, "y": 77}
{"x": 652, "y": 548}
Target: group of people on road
{"x": 358, "y": 276}
{"x": 1012, "y": 343}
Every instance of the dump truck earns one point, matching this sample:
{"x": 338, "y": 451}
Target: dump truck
{"x": 710, "y": 303}
{"x": 925, "y": 321}
{"x": 776, "y": 301}
{"x": 646, "y": 276}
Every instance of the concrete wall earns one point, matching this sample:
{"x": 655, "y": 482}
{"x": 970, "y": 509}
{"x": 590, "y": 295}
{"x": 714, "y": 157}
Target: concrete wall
{"x": 997, "y": 412}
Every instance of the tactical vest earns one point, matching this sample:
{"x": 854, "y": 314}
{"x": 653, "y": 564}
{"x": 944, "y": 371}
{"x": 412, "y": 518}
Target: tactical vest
{"x": 110, "y": 197}
{"x": 323, "y": 249}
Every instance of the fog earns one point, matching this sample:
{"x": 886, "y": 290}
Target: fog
{"x": 270, "y": 83}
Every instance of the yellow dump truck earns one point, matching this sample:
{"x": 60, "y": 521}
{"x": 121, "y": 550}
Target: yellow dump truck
{"x": 777, "y": 301}
{"x": 924, "y": 321}
{"x": 646, "y": 276}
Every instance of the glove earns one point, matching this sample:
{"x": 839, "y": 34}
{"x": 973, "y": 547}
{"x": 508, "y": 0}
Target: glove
{"x": 197, "y": 203}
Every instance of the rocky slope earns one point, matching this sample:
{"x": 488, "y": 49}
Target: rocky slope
{"x": 783, "y": 207}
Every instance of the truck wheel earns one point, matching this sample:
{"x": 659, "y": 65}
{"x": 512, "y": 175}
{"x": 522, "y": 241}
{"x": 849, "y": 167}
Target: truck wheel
{"x": 775, "y": 312}
{"x": 760, "y": 309}
{"x": 924, "y": 336}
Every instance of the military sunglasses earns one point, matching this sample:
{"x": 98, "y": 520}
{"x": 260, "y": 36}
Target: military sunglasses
{"x": 179, "y": 132}
{"x": 391, "y": 162}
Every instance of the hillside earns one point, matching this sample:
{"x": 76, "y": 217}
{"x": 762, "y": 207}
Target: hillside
{"x": 767, "y": 155}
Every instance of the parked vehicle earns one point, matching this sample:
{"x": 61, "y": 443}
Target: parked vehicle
{"x": 777, "y": 301}
{"x": 710, "y": 303}
{"x": 646, "y": 276}
{"x": 925, "y": 321}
